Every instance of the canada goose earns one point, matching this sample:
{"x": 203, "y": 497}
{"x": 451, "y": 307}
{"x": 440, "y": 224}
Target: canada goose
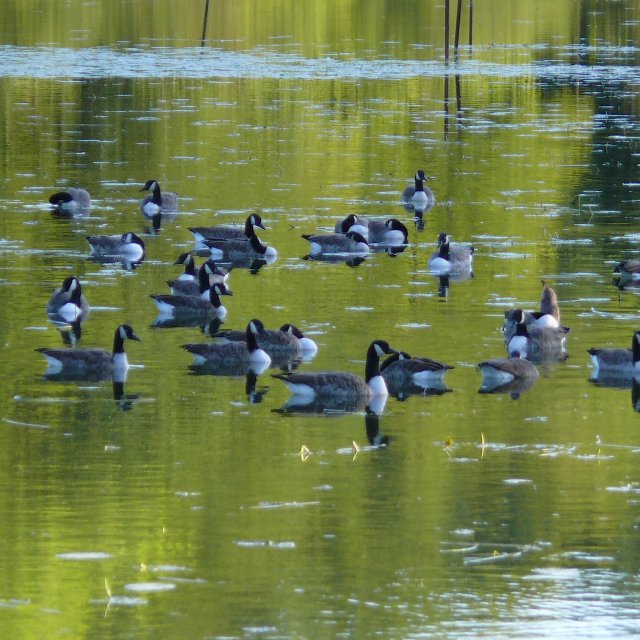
{"x": 353, "y": 223}
{"x": 227, "y": 232}
{"x": 127, "y": 246}
{"x": 548, "y": 316}
{"x": 67, "y": 303}
{"x": 234, "y": 352}
{"x": 157, "y": 201}
{"x": 241, "y": 251}
{"x": 286, "y": 342}
{"x": 307, "y": 346}
{"x": 451, "y": 258}
{"x": 419, "y": 195}
{"x": 190, "y": 306}
{"x": 628, "y": 269}
{"x": 339, "y": 384}
{"x": 513, "y": 375}
{"x": 336, "y": 243}
{"x": 402, "y": 372}
{"x": 71, "y": 200}
{"x": 90, "y": 364}
{"x": 621, "y": 362}
{"x": 538, "y": 343}
{"x": 207, "y": 276}
{"x": 549, "y": 303}
{"x": 389, "y": 232}
{"x": 190, "y": 269}
{"x": 513, "y": 317}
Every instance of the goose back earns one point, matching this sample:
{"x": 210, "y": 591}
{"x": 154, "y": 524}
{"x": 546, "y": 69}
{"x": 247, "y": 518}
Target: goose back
{"x": 227, "y": 232}
{"x": 337, "y": 243}
{"x": 342, "y": 384}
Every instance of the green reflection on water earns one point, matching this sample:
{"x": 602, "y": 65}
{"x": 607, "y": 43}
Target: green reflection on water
{"x": 193, "y": 485}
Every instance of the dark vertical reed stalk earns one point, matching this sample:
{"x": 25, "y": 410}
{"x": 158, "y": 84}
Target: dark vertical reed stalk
{"x": 446, "y": 31}
{"x": 204, "y": 22}
{"x": 446, "y": 105}
{"x": 470, "y": 23}
{"x": 456, "y": 42}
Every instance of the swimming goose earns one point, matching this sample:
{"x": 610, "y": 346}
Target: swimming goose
{"x": 67, "y": 303}
{"x": 628, "y": 269}
{"x": 127, "y": 246}
{"x": 307, "y": 346}
{"x": 232, "y": 353}
{"x": 339, "y": 384}
{"x": 513, "y": 317}
{"x": 513, "y": 375}
{"x": 337, "y": 243}
{"x": 538, "y": 343}
{"x": 620, "y": 362}
{"x": 548, "y": 316}
{"x": 190, "y": 269}
{"x": 71, "y": 200}
{"x": 451, "y": 258}
{"x": 190, "y": 306}
{"x": 419, "y": 195}
{"x": 287, "y": 342}
{"x": 207, "y": 276}
{"x": 241, "y": 251}
{"x": 90, "y": 364}
{"x": 157, "y": 201}
{"x": 501, "y": 371}
{"x": 353, "y": 223}
{"x": 390, "y": 232}
{"x": 227, "y": 232}
{"x": 403, "y": 372}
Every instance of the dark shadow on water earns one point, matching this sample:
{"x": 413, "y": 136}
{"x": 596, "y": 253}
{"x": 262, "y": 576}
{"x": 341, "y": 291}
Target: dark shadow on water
{"x": 349, "y": 261}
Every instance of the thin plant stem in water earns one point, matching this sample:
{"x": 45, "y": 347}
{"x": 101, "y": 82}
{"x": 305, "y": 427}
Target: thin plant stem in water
{"x": 456, "y": 41}
{"x": 204, "y": 22}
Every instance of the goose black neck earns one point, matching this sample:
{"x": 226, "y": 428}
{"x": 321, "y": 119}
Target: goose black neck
{"x": 252, "y": 342}
{"x": 203, "y": 280}
{"x": 256, "y": 245}
{"x": 156, "y": 195}
{"x": 521, "y": 329}
{"x": 76, "y": 295}
{"x": 118, "y": 342}
{"x": 372, "y": 367}
{"x": 635, "y": 348}
{"x": 214, "y": 298}
{"x": 419, "y": 184}
{"x": 190, "y": 266}
{"x": 444, "y": 251}
{"x": 248, "y": 227}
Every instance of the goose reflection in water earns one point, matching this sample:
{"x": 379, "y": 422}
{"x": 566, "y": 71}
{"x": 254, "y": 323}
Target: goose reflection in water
{"x": 125, "y": 402}
{"x": 251, "y": 372}
{"x": 70, "y": 333}
{"x": 253, "y": 265}
{"x": 327, "y": 405}
{"x": 620, "y": 382}
{"x": 445, "y": 280}
{"x": 349, "y": 261}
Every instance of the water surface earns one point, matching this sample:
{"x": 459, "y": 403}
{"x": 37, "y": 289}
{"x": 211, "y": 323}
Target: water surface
{"x": 192, "y": 505}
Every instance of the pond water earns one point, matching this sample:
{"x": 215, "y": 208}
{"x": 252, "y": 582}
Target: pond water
{"x": 198, "y": 506}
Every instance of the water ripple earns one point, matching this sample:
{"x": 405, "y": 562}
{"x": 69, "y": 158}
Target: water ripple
{"x": 195, "y": 62}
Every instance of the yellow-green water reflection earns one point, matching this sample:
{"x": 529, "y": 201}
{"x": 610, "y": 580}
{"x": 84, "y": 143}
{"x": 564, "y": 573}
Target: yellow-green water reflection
{"x": 194, "y": 504}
